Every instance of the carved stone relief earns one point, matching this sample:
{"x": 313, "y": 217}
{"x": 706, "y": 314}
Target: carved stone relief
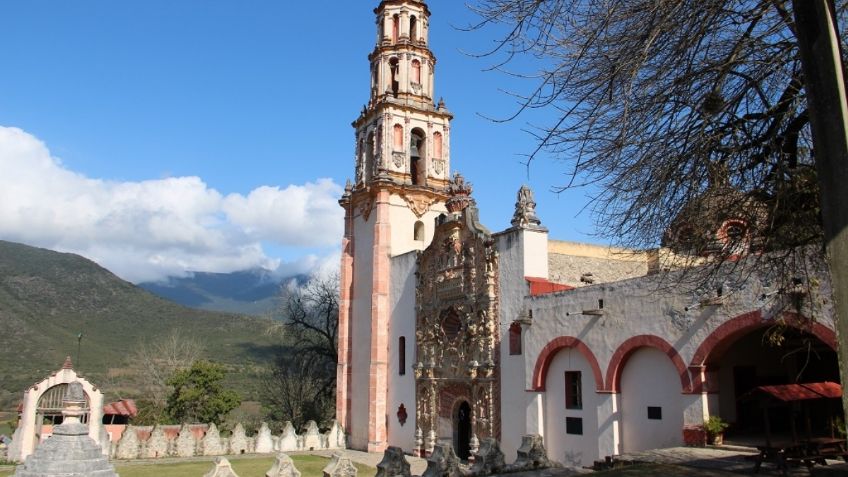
{"x": 457, "y": 332}
{"x": 419, "y": 204}
{"x": 365, "y": 207}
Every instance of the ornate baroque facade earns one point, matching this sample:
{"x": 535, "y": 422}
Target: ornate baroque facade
{"x": 457, "y": 332}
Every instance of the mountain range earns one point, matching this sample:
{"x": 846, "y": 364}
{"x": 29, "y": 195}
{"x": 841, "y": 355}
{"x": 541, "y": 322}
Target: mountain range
{"x": 47, "y": 299}
{"x": 251, "y": 292}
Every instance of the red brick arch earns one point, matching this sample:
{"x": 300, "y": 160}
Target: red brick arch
{"x": 546, "y": 356}
{"x": 725, "y": 335}
{"x": 623, "y": 353}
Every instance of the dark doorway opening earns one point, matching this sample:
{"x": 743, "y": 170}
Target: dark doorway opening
{"x": 462, "y": 445}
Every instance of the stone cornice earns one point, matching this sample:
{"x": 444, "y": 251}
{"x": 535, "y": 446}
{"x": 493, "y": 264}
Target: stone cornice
{"x": 386, "y": 3}
{"x": 401, "y": 48}
{"x": 382, "y": 105}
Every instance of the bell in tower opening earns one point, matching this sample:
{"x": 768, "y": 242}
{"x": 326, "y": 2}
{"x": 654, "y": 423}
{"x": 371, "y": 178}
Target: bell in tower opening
{"x": 418, "y": 171}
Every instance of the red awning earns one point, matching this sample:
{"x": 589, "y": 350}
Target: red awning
{"x": 798, "y": 392}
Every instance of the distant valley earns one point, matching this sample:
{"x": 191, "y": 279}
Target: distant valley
{"x": 251, "y": 292}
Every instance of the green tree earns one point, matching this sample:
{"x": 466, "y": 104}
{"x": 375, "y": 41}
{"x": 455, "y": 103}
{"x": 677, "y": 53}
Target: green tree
{"x": 199, "y": 394}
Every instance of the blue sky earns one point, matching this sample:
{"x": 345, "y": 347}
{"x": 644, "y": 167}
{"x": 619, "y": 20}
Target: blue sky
{"x": 159, "y": 136}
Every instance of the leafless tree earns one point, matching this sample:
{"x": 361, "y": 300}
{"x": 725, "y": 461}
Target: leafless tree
{"x": 664, "y": 103}
{"x": 690, "y": 114}
{"x": 155, "y": 362}
{"x": 301, "y": 384}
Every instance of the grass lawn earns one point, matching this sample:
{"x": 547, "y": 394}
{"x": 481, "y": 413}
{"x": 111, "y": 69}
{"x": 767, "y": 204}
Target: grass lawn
{"x": 308, "y": 465}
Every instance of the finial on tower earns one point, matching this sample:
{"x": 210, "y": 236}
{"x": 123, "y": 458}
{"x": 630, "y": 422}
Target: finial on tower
{"x": 460, "y": 194}
{"x": 525, "y": 210}
{"x": 68, "y": 364}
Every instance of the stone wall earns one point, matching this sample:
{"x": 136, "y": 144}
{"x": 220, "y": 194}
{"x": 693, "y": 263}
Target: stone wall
{"x": 579, "y": 265}
{"x": 145, "y": 442}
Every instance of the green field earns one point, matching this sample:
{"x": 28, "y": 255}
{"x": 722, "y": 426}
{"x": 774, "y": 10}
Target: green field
{"x": 308, "y": 465}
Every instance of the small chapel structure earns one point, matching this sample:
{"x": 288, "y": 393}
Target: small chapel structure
{"x": 450, "y": 333}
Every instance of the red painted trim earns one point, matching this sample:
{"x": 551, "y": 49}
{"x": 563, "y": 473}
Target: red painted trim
{"x": 546, "y": 356}
{"x": 725, "y": 335}
{"x": 623, "y": 353}
{"x": 543, "y": 286}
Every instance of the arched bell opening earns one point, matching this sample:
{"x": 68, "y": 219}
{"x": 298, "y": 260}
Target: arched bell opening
{"x": 369, "y": 157}
{"x": 417, "y": 155}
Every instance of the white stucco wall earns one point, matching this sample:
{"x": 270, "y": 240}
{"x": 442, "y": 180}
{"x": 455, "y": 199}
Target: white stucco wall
{"x": 650, "y": 379}
{"x": 402, "y": 387}
{"x": 403, "y": 225}
{"x": 634, "y": 308}
{"x": 518, "y": 251}
{"x": 571, "y": 449}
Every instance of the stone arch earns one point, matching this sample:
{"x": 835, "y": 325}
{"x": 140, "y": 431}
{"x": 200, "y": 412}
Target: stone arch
{"x": 24, "y": 442}
{"x": 413, "y": 28}
{"x": 725, "y": 335}
{"x": 546, "y": 356}
{"x": 621, "y": 355}
{"x": 729, "y": 331}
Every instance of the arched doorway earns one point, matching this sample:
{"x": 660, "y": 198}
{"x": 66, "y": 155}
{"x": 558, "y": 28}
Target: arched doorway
{"x": 571, "y": 409}
{"x": 770, "y": 356}
{"x": 462, "y": 431}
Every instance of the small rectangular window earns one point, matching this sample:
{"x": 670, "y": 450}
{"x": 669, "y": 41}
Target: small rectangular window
{"x": 655, "y": 413}
{"x": 515, "y": 339}
{"x": 402, "y": 355}
{"x": 573, "y": 390}
{"x": 574, "y": 425}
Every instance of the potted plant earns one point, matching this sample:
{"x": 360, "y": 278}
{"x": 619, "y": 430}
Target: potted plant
{"x": 714, "y": 427}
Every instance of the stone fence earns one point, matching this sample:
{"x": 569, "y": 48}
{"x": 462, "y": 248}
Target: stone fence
{"x": 487, "y": 461}
{"x": 152, "y": 442}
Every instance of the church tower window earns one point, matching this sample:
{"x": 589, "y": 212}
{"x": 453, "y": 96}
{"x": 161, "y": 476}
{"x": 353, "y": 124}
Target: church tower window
{"x": 413, "y": 29}
{"x": 437, "y": 145}
{"x": 393, "y": 66}
{"x": 397, "y": 142}
{"x": 369, "y": 157}
{"x": 395, "y": 29}
{"x": 416, "y": 71}
{"x": 418, "y": 232}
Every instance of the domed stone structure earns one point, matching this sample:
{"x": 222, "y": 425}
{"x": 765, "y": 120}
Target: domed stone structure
{"x": 70, "y": 452}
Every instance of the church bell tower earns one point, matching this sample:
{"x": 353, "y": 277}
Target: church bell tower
{"x": 402, "y": 172}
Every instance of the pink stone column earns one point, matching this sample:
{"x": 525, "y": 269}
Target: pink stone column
{"x": 378, "y": 371}
{"x": 343, "y": 370}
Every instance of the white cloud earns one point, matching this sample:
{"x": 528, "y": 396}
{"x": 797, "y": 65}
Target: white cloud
{"x": 151, "y": 229}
